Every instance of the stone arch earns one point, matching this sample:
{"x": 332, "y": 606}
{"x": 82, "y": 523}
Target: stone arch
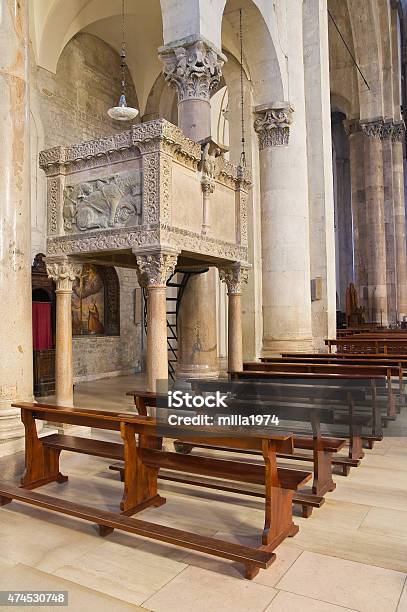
{"x": 264, "y": 59}
{"x": 161, "y": 101}
{"x": 63, "y": 20}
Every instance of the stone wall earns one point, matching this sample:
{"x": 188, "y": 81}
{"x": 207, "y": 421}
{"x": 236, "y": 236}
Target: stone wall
{"x": 68, "y": 107}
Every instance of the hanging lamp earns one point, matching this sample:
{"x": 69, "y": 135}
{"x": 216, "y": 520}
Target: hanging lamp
{"x": 122, "y": 112}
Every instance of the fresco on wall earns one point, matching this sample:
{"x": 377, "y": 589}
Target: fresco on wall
{"x": 88, "y": 302}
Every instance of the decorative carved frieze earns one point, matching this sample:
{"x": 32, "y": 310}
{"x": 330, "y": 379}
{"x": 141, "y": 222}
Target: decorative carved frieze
{"x": 114, "y": 201}
{"x": 374, "y": 129}
{"x": 234, "y": 277}
{"x": 387, "y": 130}
{"x": 399, "y": 132}
{"x": 63, "y": 272}
{"x": 153, "y": 269}
{"x": 193, "y": 67}
{"x": 109, "y": 240}
{"x": 273, "y": 126}
{"x": 158, "y": 135}
{"x": 352, "y": 126}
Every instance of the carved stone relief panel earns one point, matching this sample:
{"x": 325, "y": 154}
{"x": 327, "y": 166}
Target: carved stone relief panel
{"x": 110, "y": 202}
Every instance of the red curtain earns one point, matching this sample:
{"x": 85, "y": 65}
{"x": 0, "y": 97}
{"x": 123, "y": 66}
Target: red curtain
{"x": 42, "y": 328}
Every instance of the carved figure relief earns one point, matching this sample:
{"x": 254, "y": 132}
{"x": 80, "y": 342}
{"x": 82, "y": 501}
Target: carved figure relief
{"x": 114, "y": 201}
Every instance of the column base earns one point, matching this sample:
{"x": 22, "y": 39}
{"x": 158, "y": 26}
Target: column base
{"x": 196, "y": 371}
{"x": 273, "y": 347}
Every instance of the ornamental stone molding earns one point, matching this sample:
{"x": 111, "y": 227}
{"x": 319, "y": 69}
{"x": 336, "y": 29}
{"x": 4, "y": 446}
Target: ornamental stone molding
{"x": 375, "y": 128}
{"x": 193, "y": 66}
{"x": 387, "y": 130}
{"x": 352, "y": 126}
{"x": 153, "y": 269}
{"x": 399, "y": 132}
{"x": 273, "y": 124}
{"x": 234, "y": 277}
{"x": 63, "y": 272}
{"x": 153, "y": 136}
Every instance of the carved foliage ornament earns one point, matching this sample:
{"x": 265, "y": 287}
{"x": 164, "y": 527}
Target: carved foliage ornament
{"x": 234, "y": 277}
{"x": 273, "y": 127}
{"x": 194, "y": 70}
{"x": 154, "y": 268}
{"x": 63, "y": 273}
{"x": 399, "y": 132}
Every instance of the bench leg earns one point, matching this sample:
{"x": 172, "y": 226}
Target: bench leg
{"x": 5, "y": 500}
{"x": 140, "y": 481}
{"x": 278, "y": 520}
{"x": 41, "y": 462}
{"x": 323, "y": 482}
{"x": 356, "y": 444}
{"x": 306, "y": 511}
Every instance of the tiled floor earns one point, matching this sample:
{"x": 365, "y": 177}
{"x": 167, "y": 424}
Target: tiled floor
{"x": 350, "y": 555}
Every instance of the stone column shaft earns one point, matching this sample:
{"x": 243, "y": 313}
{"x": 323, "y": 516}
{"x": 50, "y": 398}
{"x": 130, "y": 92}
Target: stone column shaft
{"x": 389, "y": 222}
{"x": 357, "y": 172}
{"x": 234, "y": 277}
{"x": 63, "y": 274}
{"x": 285, "y": 233}
{"x": 153, "y": 270}
{"x": 16, "y": 363}
{"x": 194, "y": 68}
{"x": 399, "y": 219}
{"x": 376, "y": 237}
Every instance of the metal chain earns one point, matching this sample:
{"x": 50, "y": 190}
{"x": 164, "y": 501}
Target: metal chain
{"x": 243, "y": 153}
{"x": 123, "y": 53}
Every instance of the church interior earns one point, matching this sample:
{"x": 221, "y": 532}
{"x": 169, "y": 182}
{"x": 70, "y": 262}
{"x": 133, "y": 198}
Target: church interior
{"x": 206, "y": 196}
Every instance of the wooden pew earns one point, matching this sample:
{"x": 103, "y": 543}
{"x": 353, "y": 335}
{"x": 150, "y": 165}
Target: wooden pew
{"x": 322, "y": 449}
{"x": 367, "y": 370}
{"x": 311, "y": 378}
{"x": 143, "y": 459}
{"x": 357, "y": 344}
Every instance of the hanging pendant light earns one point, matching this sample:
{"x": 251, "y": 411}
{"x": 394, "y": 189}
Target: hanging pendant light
{"x": 122, "y": 112}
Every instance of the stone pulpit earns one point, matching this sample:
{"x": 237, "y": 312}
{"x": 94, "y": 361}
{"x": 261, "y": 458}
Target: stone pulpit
{"x": 147, "y": 198}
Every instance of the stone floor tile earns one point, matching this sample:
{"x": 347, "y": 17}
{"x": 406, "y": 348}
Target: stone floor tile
{"x": 199, "y": 590}
{"x": 288, "y": 602}
{"x": 402, "y": 606}
{"x": 21, "y": 577}
{"x": 345, "y": 583}
{"x": 382, "y": 521}
{"x": 128, "y": 573}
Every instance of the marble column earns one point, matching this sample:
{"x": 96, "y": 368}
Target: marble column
{"x": 234, "y": 277}
{"x": 375, "y": 221}
{"x": 194, "y": 68}
{"x": 285, "y": 232}
{"x": 358, "y": 189}
{"x": 388, "y": 179}
{"x": 63, "y": 272}
{"x": 153, "y": 269}
{"x": 398, "y": 136}
{"x": 16, "y": 364}
{"x": 320, "y": 174}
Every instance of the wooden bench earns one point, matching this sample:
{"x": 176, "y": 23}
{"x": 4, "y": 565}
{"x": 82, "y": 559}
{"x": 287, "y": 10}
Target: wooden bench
{"x": 355, "y": 381}
{"x": 322, "y": 448}
{"x": 366, "y": 370}
{"x": 391, "y": 369}
{"x": 143, "y": 459}
{"x": 360, "y": 344}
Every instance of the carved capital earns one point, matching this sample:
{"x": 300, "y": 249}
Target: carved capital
{"x": 63, "y": 272}
{"x": 153, "y": 269}
{"x": 235, "y": 277}
{"x": 399, "y": 132}
{"x": 374, "y": 129}
{"x": 272, "y": 125}
{"x": 352, "y": 126}
{"x": 193, "y": 67}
